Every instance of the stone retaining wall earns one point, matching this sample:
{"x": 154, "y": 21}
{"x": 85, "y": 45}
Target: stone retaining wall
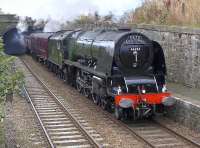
{"x": 7, "y": 21}
{"x": 182, "y": 51}
{"x": 186, "y": 113}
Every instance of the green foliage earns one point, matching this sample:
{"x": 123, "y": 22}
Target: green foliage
{"x": 10, "y": 79}
{"x": 91, "y": 20}
{"x": 2, "y": 137}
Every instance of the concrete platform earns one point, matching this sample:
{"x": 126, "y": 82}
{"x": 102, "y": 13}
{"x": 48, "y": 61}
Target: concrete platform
{"x": 187, "y": 108}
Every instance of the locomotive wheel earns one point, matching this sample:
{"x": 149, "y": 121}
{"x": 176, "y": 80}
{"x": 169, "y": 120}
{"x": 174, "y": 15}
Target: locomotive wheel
{"x": 48, "y": 65}
{"x": 51, "y": 67}
{"x": 118, "y": 113}
{"x": 109, "y": 105}
{"x": 56, "y": 71}
{"x": 86, "y": 92}
{"x": 104, "y": 104}
{"x": 95, "y": 99}
{"x": 66, "y": 75}
{"x": 60, "y": 74}
{"x": 67, "y": 79}
{"x": 36, "y": 58}
{"x": 78, "y": 86}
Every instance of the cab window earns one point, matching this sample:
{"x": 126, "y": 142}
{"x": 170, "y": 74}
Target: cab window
{"x": 141, "y": 88}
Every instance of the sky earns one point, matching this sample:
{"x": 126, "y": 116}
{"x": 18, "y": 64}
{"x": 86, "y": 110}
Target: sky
{"x": 66, "y": 9}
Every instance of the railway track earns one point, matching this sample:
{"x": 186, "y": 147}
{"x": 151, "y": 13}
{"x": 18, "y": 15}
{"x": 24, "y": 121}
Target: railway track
{"x": 155, "y": 134}
{"x": 152, "y": 133}
{"x": 62, "y": 126}
{"x": 158, "y": 136}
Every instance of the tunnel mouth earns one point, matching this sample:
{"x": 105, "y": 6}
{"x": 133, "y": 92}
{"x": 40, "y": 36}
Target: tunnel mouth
{"x": 13, "y": 42}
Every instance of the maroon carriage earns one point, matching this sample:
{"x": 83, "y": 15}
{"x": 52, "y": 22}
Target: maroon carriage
{"x": 39, "y": 45}
{"x": 27, "y": 42}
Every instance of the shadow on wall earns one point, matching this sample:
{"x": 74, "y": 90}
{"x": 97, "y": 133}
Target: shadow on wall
{"x": 13, "y": 42}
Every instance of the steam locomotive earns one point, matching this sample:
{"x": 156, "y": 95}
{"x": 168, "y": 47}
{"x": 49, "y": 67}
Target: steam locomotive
{"x": 119, "y": 69}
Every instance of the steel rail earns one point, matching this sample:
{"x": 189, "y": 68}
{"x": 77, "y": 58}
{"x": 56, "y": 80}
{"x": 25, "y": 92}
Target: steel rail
{"x": 177, "y": 134}
{"x": 127, "y": 128}
{"x": 121, "y": 123}
{"x": 38, "y": 117}
{"x": 190, "y": 141}
{"x": 75, "y": 121}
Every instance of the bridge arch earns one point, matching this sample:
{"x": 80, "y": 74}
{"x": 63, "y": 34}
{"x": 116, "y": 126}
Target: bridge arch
{"x": 13, "y": 41}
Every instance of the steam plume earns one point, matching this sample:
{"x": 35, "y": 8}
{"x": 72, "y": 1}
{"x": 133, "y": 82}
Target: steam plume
{"x": 22, "y": 26}
{"x": 52, "y": 26}
{"x": 66, "y": 9}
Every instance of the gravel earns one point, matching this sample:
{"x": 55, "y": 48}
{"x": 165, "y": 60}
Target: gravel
{"x": 113, "y": 134}
{"x": 110, "y": 131}
{"x": 180, "y": 129}
{"x": 21, "y": 127}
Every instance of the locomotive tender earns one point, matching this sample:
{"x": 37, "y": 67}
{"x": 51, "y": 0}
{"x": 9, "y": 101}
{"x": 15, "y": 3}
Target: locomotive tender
{"x": 118, "y": 69}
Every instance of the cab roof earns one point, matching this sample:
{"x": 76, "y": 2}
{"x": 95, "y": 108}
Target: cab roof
{"x": 43, "y": 35}
{"x": 61, "y": 35}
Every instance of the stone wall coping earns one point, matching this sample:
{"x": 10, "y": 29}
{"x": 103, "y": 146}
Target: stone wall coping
{"x": 8, "y": 15}
{"x": 165, "y": 28}
{"x": 9, "y": 21}
{"x": 187, "y": 102}
{"x": 6, "y": 18}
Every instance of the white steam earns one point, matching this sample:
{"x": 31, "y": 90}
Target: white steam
{"x": 62, "y": 10}
{"x": 22, "y": 26}
{"x": 52, "y": 26}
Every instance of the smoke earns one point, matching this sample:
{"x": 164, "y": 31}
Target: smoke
{"x": 22, "y": 26}
{"x": 66, "y": 10}
{"x": 52, "y": 26}
{"x": 19, "y": 38}
{"x": 53, "y": 14}
{"x": 58, "y": 12}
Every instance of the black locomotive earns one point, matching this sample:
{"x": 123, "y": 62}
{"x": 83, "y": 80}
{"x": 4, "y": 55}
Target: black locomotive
{"x": 119, "y": 69}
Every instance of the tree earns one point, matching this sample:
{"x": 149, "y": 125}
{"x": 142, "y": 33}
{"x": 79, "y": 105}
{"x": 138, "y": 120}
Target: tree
{"x": 92, "y": 20}
{"x": 97, "y": 17}
{"x": 1, "y": 12}
{"x": 109, "y": 17}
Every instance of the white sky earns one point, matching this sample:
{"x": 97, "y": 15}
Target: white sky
{"x": 66, "y": 9}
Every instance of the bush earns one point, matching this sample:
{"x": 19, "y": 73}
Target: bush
{"x": 10, "y": 80}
